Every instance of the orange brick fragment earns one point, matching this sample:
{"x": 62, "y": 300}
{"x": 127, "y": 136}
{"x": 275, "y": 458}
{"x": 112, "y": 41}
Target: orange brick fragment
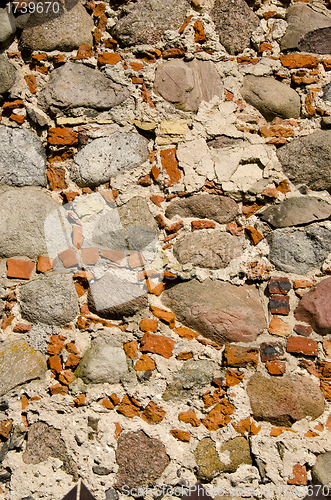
{"x": 199, "y": 36}
{"x": 131, "y": 348}
{"x": 293, "y": 61}
{"x": 66, "y": 377}
{"x": 144, "y": 363}
{"x": 166, "y": 316}
{"x": 80, "y": 400}
{"x": 45, "y": 264}
{"x": 202, "y": 224}
{"x": 59, "y": 389}
{"x": 24, "y": 401}
{"x": 5, "y": 428}
{"x": 211, "y": 399}
{"x": 184, "y": 25}
{"x": 153, "y": 414}
{"x": 239, "y": 357}
{"x": 157, "y": 200}
{"x": 72, "y": 361}
{"x": 129, "y": 407}
{"x": 300, "y": 475}
{"x": 77, "y": 236}
{"x": 55, "y": 344}
{"x": 90, "y": 256}
{"x": 107, "y": 404}
{"x": 62, "y": 136}
{"x": 136, "y": 260}
{"x": 254, "y": 234}
{"x": 99, "y": 9}
{"x": 148, "y": 325}
{"x": 56, "y": 177}
{"x": 22, "y": 328}
{"x": 233, "y": 377}
{"x": 113, "y": 255}
{"x": 84, "y": 52}
{"x": 170, "y": 166}
{"x": 118, "y": 430}
{"x": 180, "y": 435}
{"x": 31, "y": 83}
{"x": 55, "y": 363}
{"x": 18, "y": 268}
{"x": 157, "y": 344}
{"x": 114, "y": 399}
{"x": 182, "y": 356}
{"x": 108, "y": 58}
{"x": 219, "y": 416}
{"x": 69, "y": 257}
{"x": 189, "y": 417}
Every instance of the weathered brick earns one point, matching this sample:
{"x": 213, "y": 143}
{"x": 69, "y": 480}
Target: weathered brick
{"x": 279, "y": 286}
{"x": 59, "y": 389}
{"x": 72, "y": 361}
{"x": 66, "y": 377}
{"x": 80, "y": 400}
{"x": 90, "y": 256}
{"x": 294, "y": 61}
{"x": 31, "y": 83}
{"x": 136, "y": 260}
{"x": 211, "y": 399}
{"x": 278, "y": 327}
{"x": 180, "y": 435}
{"x": 62, "y": 136}
{"x": 254, "y": 234}
{"x": 55, "y": 363}
{"x": 157, "y": 200}
{"x": 148, "y": 325}
{"x": 108, "y": 58}
{"x": 279, "y": 304}
{"x": 56, "y": 178}
{"x": 77, "y": 236}
{"x": 239, "y": 357}
{"x": 107, "y": 404}
{"x": 202, "y": 224}
{"x": 303, "y": 330}
{"x": 153, "y": 414}
{"x": 55, "y": 344}
{"x": 299, "y": 475}
{"x": 5, "y": 428}
{"x": 219, "y": 416}
{"x": 144, "y": 363}
{"x": 45, "y": 264}
{"x": 166, "y": 316}
{"x": 199, "y": 35}
{"x": 157, "y": 344}
{"x": 302, "y": 345}
{"x": 189, "y": 417}
{"x": 18, "y": 268}
{"x": 131, "y": 348}
{"x": 69, "y": 257}
{"x": 276, "y": 367}
{"x": 113, "y": 255}
{"x": 186, "y": 333}
{"x": 183, "y": 356}
{"x": 170, "y": 166}
{"x": 270, "y": 351}
{"x": 129, "y": 407}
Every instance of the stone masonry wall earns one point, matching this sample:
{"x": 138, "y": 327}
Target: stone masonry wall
{"x": 165, "y": 244}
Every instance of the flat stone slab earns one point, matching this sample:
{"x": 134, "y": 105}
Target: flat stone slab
{"x": 104, "y": 362}
{"x": 7, "y": 74}
{"x": 23, "y": 212}
{"x": 314, "y": 307}
{"x": 187, "y": 84}
{"x": 306, "y": 160}
{"x": 301, "y": 20}
{"x": 92, "y": 89}
{"x": 66, "y": 30}
{"x": 295, "y": 211}
{"x": 299, "y": 251}
{"x": 52, "y": 300}
{"x": 218, "y": 310}
{"x": 283, "y": 401}
{"x": 317, "y": 41}
{"x": 22, "y": 158}
{"x": 108, "y": 156}
{"x": 146, "y": 21}
{"x": 234, "y": 22}
{"x": 19, "y": 363}
{"x": 221, "y": 209}
{"x": 213, "y": 250}
{"x": 270, "y": 97}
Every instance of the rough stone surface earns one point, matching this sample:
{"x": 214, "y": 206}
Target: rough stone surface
{"x": 301, "y": 20}
{"x": 51, "y": 300}
{"x": 7, "y": 27}
{"x": 327, "y": 92}
{"x": 141, "y": 459}
{"x": 234, "y": 22}
{"x": 45, "y": 441}
{"x": 7, "y": 74}
{"x": 104, "y": 362}
{"x": 194, "y": 375}
{"x": 146, "y": 21}
{"x": 138, "y": 223}
{"x": 286, "y": 400}
{"x": 317, "y": 41}
{"x": 115, "y": 298}
{"x": 314, "y": 307}
{"x": 92, "y": 89}
{"x": 295, "y": 211}
{"x": 22, "y": 158}
{"x": 106, "y": 157}
{"x": 187, "y": 84}
{"x": 213, "y": 250}
{"x": 305, "y": 160}
{"x": 29, "y": 364}
{"x": 299, "y": 251}
{"x": 23, "y": 212}
{"x": 270, "y": 97}
{"x": 218, "y": 310}
{"x": 207, "y": 459}
{"x": 321, "y": 471}
{"x": 66, "y": 31}
{"x": 239, "y": 453}
{"x": 218, "y": 208}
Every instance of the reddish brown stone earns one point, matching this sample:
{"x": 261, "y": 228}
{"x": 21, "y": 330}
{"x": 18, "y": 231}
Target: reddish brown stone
{"x": 136, "y": 260}
{"x": 293, "y": 61}
{"x": 45, "y": 264}
{"x": 166, "y": 316}
{"x": 62, "y": 137}
{"x": 276, "y": 367}
{"x": 148, "y": 325}
{"x": 5, "y": 428}
{"x": 6, "y": 321}
{"x": 114, "y": 399}
{"x": 84, "y": 52}
{"x": 56, "y": 178}
{"x": 326, "y": 390}
{"x": 131, "y": 348}
{"x": 71, "y": 347}
{"x": 129, "y": 407}
{"x": 186, "y": 333}
{"x": 113, "y": 255}
{"x": 254, "y": 234}
{"x": 153, "y": 414}
{"x": 72, "y": 361}
{"x": 183, "y": 356}
{"x": 175, "y": 227}
{"x": 146, "y": 96}
{"x": 157, "y": 344}
{"x": 202, "y": 224}
{"x": 180, "y": 435}
{"x": 199, "y": 36}
{"x": 69, "y": 257}
{"x": 232, "y": 377}
{"x": 55, "y": 363}
{"x": 270, "y": 351}
{"x": 279, "y": 286}
{"x": 219, "y": 416}
{"x": 299, "y": 475}
{"x": 108, "y": 58}
{"x": 238, "y": 356}
{"x": 59, "y": 389}
{"x": 276, "y": 131}
{"x": 210, "y": 399}
{"x": 174, "y": 52}
{"x": 145, "y": 181}
{"x": 189, "y": 417}
{"x": 99, "y": 9}
{"x": 22, "y": 328}
{"x": 144, "y": 363}
{"x": 314, "y": 307}
{"x": 55, "y": 344}
{"x": 170, "y": 166}
{"x": 279, "y": 327}
{"x": 302, "y": 345}
{"x": 279, "y": 304}
{"x": 31, "y": 83}
{"x": 17, "y": 268}
{"x": 90, "y": 256}
{"x": 157, "y": 200}
{"x": 66, "y": 377}
{"x": 80, "y": 400}
{"x": 160, "y": 220}
{"x": 102, "y": 22}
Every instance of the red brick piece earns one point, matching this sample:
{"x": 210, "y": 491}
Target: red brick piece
{"x": 254, "y": 234}
{"x": 157, "y": 200}
{"x": 108, "y": 58}
{"x": 199, "y": 36}
{"x": 300, "y": 475}
{"x": 136, "y": 260}
{"x": 293, "y": 61}
{"x": 59, "y": 389}
{"x": 239, "y": 357}
{"x": 276, "y": 367}
{"x": 173, "y": 52}
{"x": 186, "y": 333}
{"x": 160, "y": 220}
{"x": 113, "y": 255}
{"x": 22, "y": 328}
{"x": 270, "y": 351}
{"x": 202, "y": 224}
{"x": 148, "y": 325}
{"x": 55, "y": 364}
{"x": 157, "y": 344}
{"x": 302, "y": 345}
{"x": 72, "y": 361}
{"x": 131, "y": 348}
{"x": 189, "y": 417}
{"x": 90, "y": 256}
{"x": 166, "y": 316}
{"x": 84, "y": 52}
{"x": 80, "y": 400}
{"x": 170, "y": 166}
{"x": 144, "y": 363}
{"x": 62, "y": 137}
{"x": 5, "y": 428}
{"x": 45, "y": 264}
{"x": 66, "y": 377}
{"x": 175, "y": 227}
{"x": 56, "y": 177}
{"x": 69, "y": 257}
{"x": 303, "y": 330}
{"x": 55, "y": 344}
{"x": 219, "y": 416}
{"x": 31, "y": 83}
{"x": 279, "y": 304}
{"x": 279, "y": 286}
{"x": 77, "y": 236}
{"x": 17, "y": 268}
{"x": 129, "y": 407}
{"x": 180, "y": 435}
{"x": 153, "y": 414}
